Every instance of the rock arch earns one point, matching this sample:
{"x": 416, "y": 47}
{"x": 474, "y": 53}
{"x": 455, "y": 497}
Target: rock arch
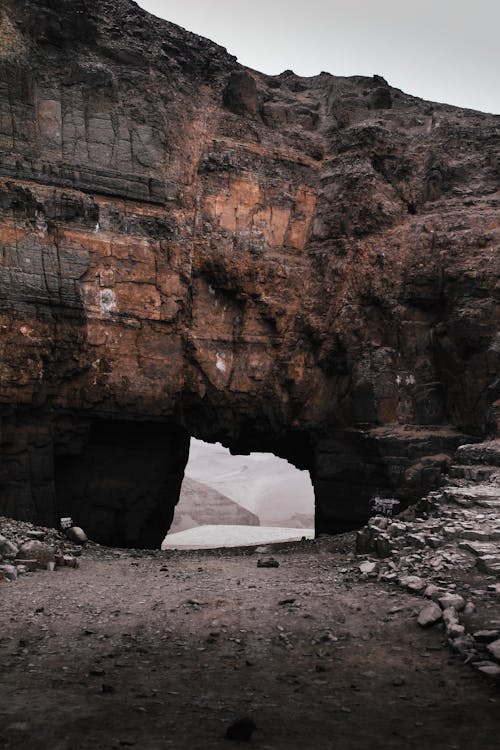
{"x": 249, "y": 272}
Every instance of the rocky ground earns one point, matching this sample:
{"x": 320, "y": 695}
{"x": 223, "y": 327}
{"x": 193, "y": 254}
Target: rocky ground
{"x": 319, "y": 644}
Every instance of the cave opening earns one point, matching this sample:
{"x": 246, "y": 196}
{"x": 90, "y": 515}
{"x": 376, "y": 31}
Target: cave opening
{"x": 231, "y": 500}
{"x": 129, "y": 483}
{"x": 119, "y": 480}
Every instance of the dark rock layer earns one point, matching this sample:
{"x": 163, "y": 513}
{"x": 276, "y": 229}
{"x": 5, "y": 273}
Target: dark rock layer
{"x": 306, "y": 266}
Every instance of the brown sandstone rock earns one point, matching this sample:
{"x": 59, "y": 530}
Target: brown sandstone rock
{"x": 306, "y": 266}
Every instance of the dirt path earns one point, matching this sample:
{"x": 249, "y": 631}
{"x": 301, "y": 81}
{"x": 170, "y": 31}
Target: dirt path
{"x": 165, "y": 650}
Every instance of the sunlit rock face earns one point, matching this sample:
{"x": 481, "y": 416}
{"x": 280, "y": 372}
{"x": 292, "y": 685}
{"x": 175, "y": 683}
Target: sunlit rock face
{"x": 303, "y": 266}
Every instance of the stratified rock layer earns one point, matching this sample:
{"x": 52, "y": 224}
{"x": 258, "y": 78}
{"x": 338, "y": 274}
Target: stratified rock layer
{"x": 201, "y": 505}
{"x": 307, "y": 266}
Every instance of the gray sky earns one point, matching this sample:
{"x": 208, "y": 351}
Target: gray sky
{"x": 443, "y": 50}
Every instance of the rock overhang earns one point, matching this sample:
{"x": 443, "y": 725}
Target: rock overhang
{"x": 277, "y": 263}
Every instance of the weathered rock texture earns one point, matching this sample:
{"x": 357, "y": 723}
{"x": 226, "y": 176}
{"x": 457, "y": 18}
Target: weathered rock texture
{"x": 308, "y": 266}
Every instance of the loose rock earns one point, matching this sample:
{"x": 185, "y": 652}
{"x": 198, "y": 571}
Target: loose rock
{"x": 269, "y": 562}
{"x": 430, "y": 614}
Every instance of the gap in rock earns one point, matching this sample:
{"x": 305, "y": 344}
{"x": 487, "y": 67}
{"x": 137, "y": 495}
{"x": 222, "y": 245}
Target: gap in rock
{"x": 238, "y": 500}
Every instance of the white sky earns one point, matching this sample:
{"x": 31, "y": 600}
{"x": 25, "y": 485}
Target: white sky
{"x": 442, "y": 50}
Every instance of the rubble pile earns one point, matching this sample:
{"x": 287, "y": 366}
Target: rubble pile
{"x": 25, "y": 548}
{"x": 452, "y": 538}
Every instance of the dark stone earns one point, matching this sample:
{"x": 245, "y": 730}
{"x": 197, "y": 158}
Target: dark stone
{"x": 241, "y": 730}
{"x": 240, "y": 94}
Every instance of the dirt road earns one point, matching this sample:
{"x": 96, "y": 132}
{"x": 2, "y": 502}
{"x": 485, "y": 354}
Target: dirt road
{"x": 165, "y": 650}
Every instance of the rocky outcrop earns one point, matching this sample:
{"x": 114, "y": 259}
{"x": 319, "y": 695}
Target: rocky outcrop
{"x": 452, "y": 531}
{"x": 304, "y": 266}
{"x": 201, "y": 505}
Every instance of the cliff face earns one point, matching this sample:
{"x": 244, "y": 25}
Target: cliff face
{"x": 307, "y": 266}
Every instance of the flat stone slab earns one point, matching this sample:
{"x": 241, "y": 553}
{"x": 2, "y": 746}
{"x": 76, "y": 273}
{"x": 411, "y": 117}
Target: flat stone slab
{"x": 494, "y": 649}
{"x": 480, "y": 548}
{"x": 493, "y": 670}
{"x": 473, "y": 495}
{"x": 479, "y": 453}
{"x": 481, "y": 535}
{"x": 489, "y": 565}
{"x": 474, "y": 473}
{"x": 486, "y": 636}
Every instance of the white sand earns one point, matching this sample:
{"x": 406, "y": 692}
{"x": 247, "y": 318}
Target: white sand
{"x": 209, "y": 537}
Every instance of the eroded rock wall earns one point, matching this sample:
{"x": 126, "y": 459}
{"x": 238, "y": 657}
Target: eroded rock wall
{"x": 308, "y": 266}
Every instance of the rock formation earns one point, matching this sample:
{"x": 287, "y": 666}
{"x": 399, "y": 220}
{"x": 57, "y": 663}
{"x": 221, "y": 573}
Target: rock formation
{"x": 200, "y": 505}
{"x": 307, "y": 266}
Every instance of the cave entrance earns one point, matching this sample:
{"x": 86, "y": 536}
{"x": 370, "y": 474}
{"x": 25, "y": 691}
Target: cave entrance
{"x": 119, "y": 480}
{"x": 238, "y": 500}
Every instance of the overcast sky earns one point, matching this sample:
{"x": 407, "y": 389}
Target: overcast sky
{"x": 442, "y": 50}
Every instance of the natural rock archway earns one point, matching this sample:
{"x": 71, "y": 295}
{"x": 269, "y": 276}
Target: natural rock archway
{"x": 304, "y": 266}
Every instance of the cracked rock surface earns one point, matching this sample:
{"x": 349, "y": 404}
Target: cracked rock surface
{"x": 307, "y": 266}
{"x": 448, "y": 550}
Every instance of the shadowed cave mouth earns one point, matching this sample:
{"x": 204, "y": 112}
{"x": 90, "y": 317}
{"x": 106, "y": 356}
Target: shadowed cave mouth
{"x": 121, "y": 481}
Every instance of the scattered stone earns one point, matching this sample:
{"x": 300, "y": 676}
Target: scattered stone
{"x": 452, "y": 600}
{"x": 34, "y": 534}
{"x": 30, "y": 548}
{"x": 383, "y": 546}
{"x": 433, "y": 541}
{"x": 268, "y": 562}
{"x": 380, "y": 522}
{"x": 7, "y": 548}
{"x": 368, "y": 567}
{"x": 455, "y": 630}
{"x": 241, "y": 730}
{"x": 494, "y": 649}
{"x": 433, "y": 592}
{"x": 413, "y": 584}
{"x": 489, "y": 668}
{"x": 39, "y": 551}
{"x": 28, "y": 564}
{"x": 416, "y": 540}
{"x": 286, "y": 601}
{"x": 469, "y": 609}
{"x": 364, "y": 540}
{"x": 464, "y": 645}
{"x": 486, "y": 636}
{"x": 489, "y": 564}
{"x": 461, "y": 522}
{"x": 8, "y": 572}
{"x": 430, "y": 615}
{"x": 76, "y": 534}
{"x": 396, "y": 529}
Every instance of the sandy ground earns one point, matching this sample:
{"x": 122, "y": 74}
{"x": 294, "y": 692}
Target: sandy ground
{"x": 165, "y": 650}
{"x": 212, "y": 536}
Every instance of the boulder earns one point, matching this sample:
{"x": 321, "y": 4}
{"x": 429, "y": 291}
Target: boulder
{"x": 37, "y": 551}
